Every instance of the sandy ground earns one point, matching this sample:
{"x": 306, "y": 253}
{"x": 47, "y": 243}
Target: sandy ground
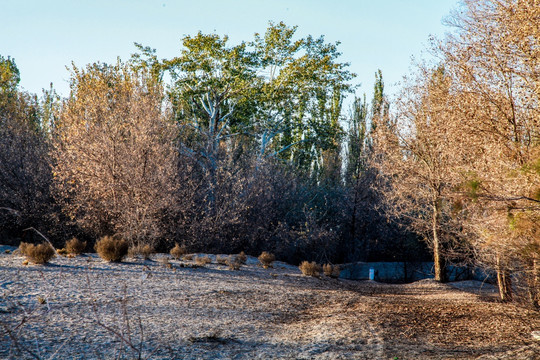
{"x": 85, "y": 308}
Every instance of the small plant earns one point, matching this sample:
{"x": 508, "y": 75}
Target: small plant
{"x": 310, "y": 268}
{"x": 202, "y": 260}
{"x": 111, "y": 249}
{"x": 165, "y": 262}
{"x": 62, "y": 252}
{"x": 331, "y": 270}
{"x": 143, "y": 250}
{"x": 266, "y": 259}
{"x": 75, "y": 246}
{"x": 234, "y": 262}
{"x": 187, "y": 257}
{"x": 242, "y": 257}
{"x": 222, "y": 260}
{"x": 41, "y": 300}
{"x": 38, "y": 254}
{"x": 177, "y": 251}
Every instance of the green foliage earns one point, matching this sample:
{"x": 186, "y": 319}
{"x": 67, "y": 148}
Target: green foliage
{"x": 9, "y": 75}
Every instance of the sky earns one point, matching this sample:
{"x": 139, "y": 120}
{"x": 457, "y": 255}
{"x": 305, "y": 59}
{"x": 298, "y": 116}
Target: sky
{"x": 45, "y": 36}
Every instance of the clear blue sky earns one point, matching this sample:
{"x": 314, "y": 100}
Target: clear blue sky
{"x": 45, "y": 36}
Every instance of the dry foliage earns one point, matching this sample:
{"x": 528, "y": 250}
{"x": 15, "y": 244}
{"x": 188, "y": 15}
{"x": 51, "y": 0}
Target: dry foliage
{"x": 331, "y": 270}
{"x": 310, "y": 268}
{"x": 114, "y": 154}
{"x": 38, "y": 254}
{"x": 266, "y": 259}
{"x": 242, "y": 257}
{"x": 202, "y": 260}
{"x": 234, "y": 262}
{"x": 112, "y": 249}
{"x": 75, "y": 246}
{"x": 222, "y": 260}
{"x": 177, "y": 251}
{"x": 141, "y": 250}
{"x": 187, "y": 257}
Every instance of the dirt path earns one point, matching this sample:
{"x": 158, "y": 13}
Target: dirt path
{"x": 84, "y": 308}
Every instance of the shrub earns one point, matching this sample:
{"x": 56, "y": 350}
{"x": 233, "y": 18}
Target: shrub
{"x": 144, "y": 250}
{"x": 62, "y": 252}
{"x": 177, "y": 251}
{"x": 331, "y": 270}
{"x": 75, "y": 246}
{"x": 38, "y": 254}
{"x": 234, "y": 262}
{"x": 111, "y": 249}
{"x": 187, "y": 257}
{"x": 202, "y": 260}
{"x": 242, "y": 257}
{"x": 266, "y": 259}
{"x": 222, "y": 260}
{"x": 310, "y": 268}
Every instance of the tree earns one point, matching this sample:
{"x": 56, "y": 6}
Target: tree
{"x": 115, "y": 161}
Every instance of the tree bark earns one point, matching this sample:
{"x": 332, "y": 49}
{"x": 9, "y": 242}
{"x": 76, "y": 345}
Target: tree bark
{"x": 504, "y": 281}
{"x": 438, "y": 261}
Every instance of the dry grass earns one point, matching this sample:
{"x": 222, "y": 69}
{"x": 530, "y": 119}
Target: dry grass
{"x": 111, "y": 249}
{"x": 242, "y": 257}
{"x": 187, "y": 257}
{"x": 266, "y": 259}
{"x": 178, "y": 251}
{"x": 143, "y": 250}
{"x": 310, "y": 268}
{"x": 222, "y": 260}
{"x": 331, "y": 270}
{"x": 202, "y": 260}
{"x": 234, "y": 262}
{"x": 38, "y": 254}
{"x": 75, "y": 246}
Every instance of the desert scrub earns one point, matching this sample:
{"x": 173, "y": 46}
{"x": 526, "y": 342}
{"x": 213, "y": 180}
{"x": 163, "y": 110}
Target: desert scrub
{"x": 202, "y": 260}
{"x": 234, "y": 262}
{"x": 178, "y": 251}
{"x": 222, "y": 260}
{"x": 75, "y": 246}
{"x": 242, "y": 257}
{"x": 111, "y": 249}
{"x": 310, "y": 268}
{"x": 143, "y": 250}
{"x": 187, "y": 257}
{"x": 331, "y": 270}
{"x": 266, "y": 259}
{"x": 38, "y": 254}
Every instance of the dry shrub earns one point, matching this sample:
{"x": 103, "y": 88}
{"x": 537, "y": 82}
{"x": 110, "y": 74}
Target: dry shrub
{"x": 202, "y": 260}
{"x": 165, "y": 262}
{"x": 310, "y": 268}
{"x": 62, "y": 252}
{"x": 222, "y": 260}
{"x": 111, "y": 249}
{"x": 187, "y": 257}
{"x": 331, "y": 270}
{"x": 234, "y": 262}
{"x": 38, "y": 254}
{"x": 266, "y": 259}
{"x": 177, "y": 251}
{"x": 242, "y": 257}
{"x": 75, "y": 246}
{"x": 143, "y": 250}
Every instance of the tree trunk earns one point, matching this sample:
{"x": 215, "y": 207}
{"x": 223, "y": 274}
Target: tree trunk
{"x": 534, "y": 283}
{"x": 503, "y": 281}
{"x": 438, "y": 261}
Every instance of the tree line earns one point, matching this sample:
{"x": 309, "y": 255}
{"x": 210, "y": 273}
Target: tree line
{"x": 248, "y": 147}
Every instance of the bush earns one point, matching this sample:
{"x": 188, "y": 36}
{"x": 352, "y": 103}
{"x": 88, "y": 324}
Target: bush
{"x": 222, "y": 260}
{"x": 75, "y": 246}
{"x": 144, "y": 250}
{"x": 38, "y": 254}
{"x": 242, "y": 257}
{"x": 310, "y": 268}
{"x": 234, "y": 262}
{"x": 202, "y": 260}
{"x": 111, "y": 249}
{"x": 177, "y": 251}
{"x": 187, "y": 257}
{"x": 267, "y": 259}
{"x": 331, "y": 270}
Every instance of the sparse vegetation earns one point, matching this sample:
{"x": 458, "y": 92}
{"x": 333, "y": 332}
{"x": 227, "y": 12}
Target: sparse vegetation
{"x": 202, "y": 260}
{"x": 331, "y": 270}
{"x": 242, "y": 257}
{"x": 222, "y": 260}
{"x": 187, "y": 257}
{"x": 38, "y": 254}
{"x": 75, "y": 246}
{"x": 234, "y": 262}
{"x": 178, "y": 251}
{"x": 145, "y": 251}
{"x": 266, "y": 259}
{"x": 111, "y": 249}
{"x": 310, "y": 268}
